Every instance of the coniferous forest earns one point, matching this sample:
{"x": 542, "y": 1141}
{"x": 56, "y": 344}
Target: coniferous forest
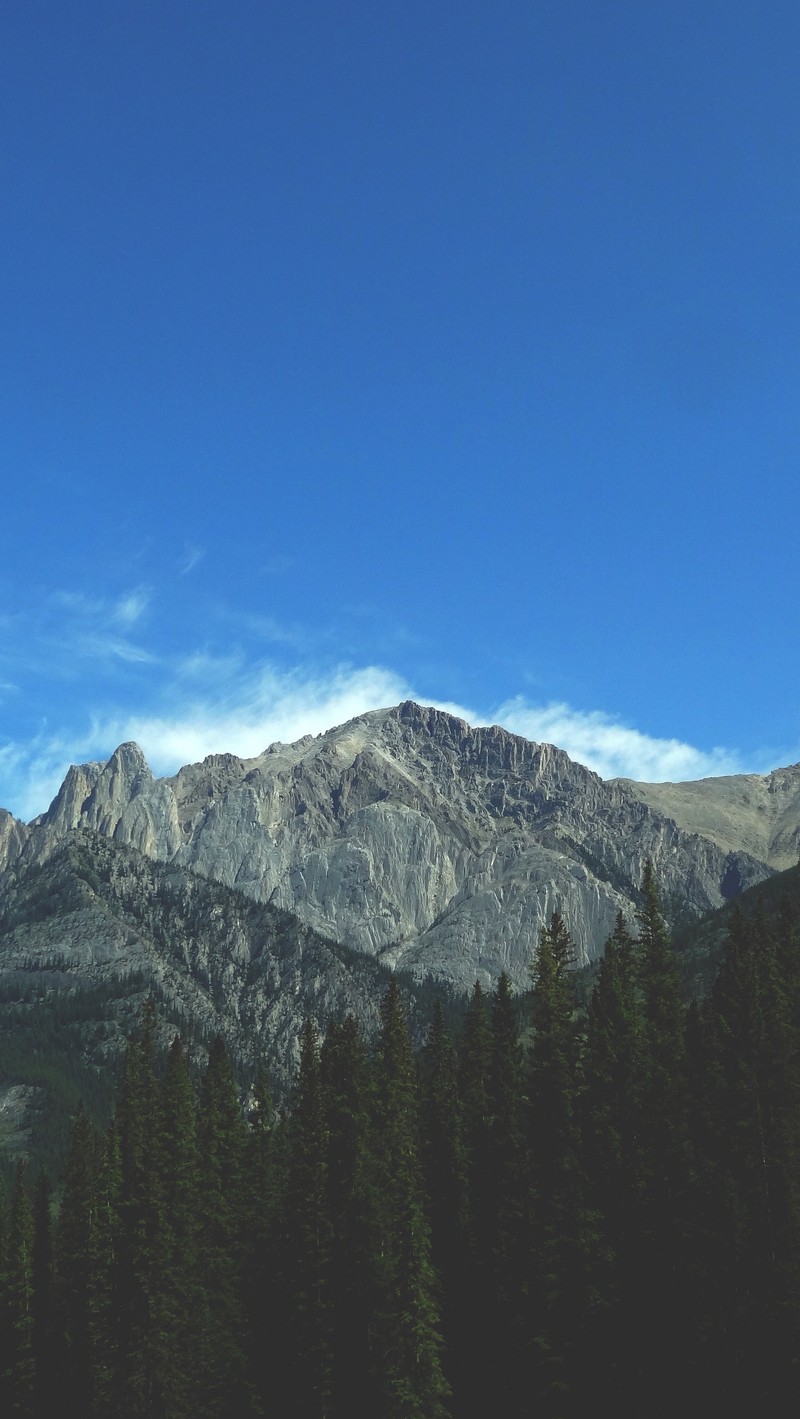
{"x": 558, "y": 1211}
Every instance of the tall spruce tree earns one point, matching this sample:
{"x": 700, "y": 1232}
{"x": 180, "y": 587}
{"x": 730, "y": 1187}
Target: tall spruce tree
{"x": 613, "y": 1143}
{"x": 506, "y": 1191}
{"x": 408, "y": 1339}
{"x": 182, "y": 1301}
{"x": 44, "y": 1336}
{"x": 222, "y": 1142}
{"x": 445, "y": 1180}
{"x": 309, "y": 1235}
{"x": 79, "y": 1286}
{"x": 665, "y": 1274}
{"x": 352, "y": 1205}
{"x": 751, "y": 1163}
{"x": 138, "y": 1294}
{"x": 472, "y": 1380}
{"x": 558, "y": 1241}
{"x": 18, "y": 1359}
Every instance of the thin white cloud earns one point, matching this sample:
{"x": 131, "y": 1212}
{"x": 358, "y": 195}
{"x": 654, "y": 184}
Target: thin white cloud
{"x": 108, "y": 647}
{"x": 610, "y": 747}
{"x": 131, "y": 607}
{"x": 191, "y": 557}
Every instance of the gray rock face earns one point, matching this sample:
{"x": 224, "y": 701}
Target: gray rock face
{"x": 409, "y": 835}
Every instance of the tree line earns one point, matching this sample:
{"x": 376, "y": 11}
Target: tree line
{"x": 550, "y": 1214}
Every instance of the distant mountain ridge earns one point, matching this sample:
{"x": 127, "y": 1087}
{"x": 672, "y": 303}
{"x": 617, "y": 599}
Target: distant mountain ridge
{"x": 408, "y": 835}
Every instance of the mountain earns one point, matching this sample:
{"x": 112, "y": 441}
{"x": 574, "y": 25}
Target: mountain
{"x": 757, "y": 813}
{"x": 411, "y": 837}
{"x": 87, "y": 935}
{"x": 97, "y": 917}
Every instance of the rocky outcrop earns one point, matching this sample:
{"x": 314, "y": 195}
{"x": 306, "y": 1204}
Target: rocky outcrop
{"x": 409, "y": 836}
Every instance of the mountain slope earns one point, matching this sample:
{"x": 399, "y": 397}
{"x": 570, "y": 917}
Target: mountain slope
{"x": 759, "y": 813}
{"x": 99, "y": 918}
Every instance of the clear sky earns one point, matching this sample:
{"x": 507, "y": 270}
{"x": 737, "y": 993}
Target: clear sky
{"x": 354, "y": 351}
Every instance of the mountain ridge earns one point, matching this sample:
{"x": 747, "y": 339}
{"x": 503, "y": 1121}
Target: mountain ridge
{"x": 409, "y": 834}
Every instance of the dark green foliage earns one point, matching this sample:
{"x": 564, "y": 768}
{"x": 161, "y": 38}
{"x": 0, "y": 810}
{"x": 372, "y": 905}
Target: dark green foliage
{"x": 407, "y": 1337}
{"x": 18, "y": 1368}
{"x": 506, "y": 1193}
{"x": 352, "y": 1210}
{"x": 747, "y": 1077}
{"x": 607, "y": 1217}
{"x": 445, "y": 1180}
{"x": 309, "y": 1225}
{"x": 557, "y": 1242}
{"x": 222, "y": 1140}
{"x": 80, "y": 1278}
{"x": 44, "y": 1328}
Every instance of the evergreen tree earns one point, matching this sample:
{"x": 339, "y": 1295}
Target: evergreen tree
{"x": 262, "y": 1298}
{"x": 665, "y": 1270}
{"x": 408, "y": 1340}
{"x": 18, "y": 1360}
{"x": 506, "y": 1193}
{"x": 78, "y": 1284}
{"x": 558, "y": 1238}
{"x": 615, "y": 1166}
{"x": 751, "y": 1219}
{"x": 44, "y": 1338}
{"x": 444, "y": 1175}
{"x": 222, "y": 1140}
{"x": 472, "y": 1380}
{"x": 138, "y": 1291}
{"x": 182, "y": 1301}
{"x": 309, "y": 1232}
{"x": 353, "y": 1220}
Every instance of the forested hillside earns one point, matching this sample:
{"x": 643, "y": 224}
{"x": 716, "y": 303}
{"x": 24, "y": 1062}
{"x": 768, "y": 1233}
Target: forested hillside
{"x": 556, "y": 1212}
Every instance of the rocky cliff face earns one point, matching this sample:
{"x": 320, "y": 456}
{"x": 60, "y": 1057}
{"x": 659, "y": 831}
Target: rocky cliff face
{"x": 407, "y": 835}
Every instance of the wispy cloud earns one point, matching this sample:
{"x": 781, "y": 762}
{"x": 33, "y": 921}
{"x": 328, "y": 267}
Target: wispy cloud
{"x": 611, "y": 747}
{"x": 131, "y": 607}
{"x": 191, "y": 557}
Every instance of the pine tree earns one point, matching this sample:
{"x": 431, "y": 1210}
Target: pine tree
{"x": 751, "y": 1165}
{"x": 222, "y": 1140}
{"x": 18, "y": 1361}
{"x": 181, "y": 1301}
{"x": 472, "y": 1381}
{"x": 444, "y": 1175}
{"x": 665, "y": 1268}
{"x": 506, "y": 1192}
{"x": 408, "y": 1340}
{"x": 263, "y": 1302}
{"x": 613, "y": 1143}
{"x": 353, "y": 1220}
{"x": 309, "y": 1234}
{"x": 44, "y": 1338}
{"x": 138, "y": 1294}
{"x": 77, "y": 1281}
{"x": 558, "y": 1223}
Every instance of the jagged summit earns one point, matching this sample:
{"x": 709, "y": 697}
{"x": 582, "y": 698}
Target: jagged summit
{"x": 411, "y": 835}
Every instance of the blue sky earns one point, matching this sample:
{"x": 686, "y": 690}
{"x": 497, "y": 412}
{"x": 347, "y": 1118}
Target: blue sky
{"x": 357, "y": 351}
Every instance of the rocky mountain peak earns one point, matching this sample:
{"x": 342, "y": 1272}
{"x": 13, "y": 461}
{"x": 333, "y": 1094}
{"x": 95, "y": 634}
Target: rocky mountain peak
{"x": 410, "y": 835}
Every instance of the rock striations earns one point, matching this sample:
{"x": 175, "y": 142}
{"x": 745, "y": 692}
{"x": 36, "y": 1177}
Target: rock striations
{"x": 407, "y": 835}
